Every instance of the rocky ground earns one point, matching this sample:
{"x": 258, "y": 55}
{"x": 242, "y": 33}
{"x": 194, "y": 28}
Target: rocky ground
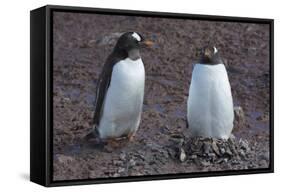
{"x": 162, "y": 144}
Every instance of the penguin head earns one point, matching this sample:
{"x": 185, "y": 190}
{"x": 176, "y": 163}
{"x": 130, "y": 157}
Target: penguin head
{"x": 131, "y": 43}
{"x": 209, "y": 55}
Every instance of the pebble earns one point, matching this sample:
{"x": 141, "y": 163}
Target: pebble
{"x": 263, "y": 163}
{"x": 264, "y": 156}
{"x": 222, "y": 150}
{"x": 228, "y": 152}
{"x": 121, "y": 170}
{"x": 116, "y": 175}
{"x": 244, "y": 145}
{"x": 233, "y": 149}
{"x": 264, "y": 117}
{"x": 242, "y": 154}
{"x": 212, "y": 155}
{"x": 122, "y": 156}
{"x": 117, "y": 162}
{"x": 235, "y": 162}
{"x": 193, "y": 156}
{"x": 182, "y": 155}
{"x": 92, "y": 174}
{"x": 205, "y": 163}
{"x": 132, "y": 163}
{"x": 215, "y": 148}
{"x": 207, "y": 148}
{"x": 239, "y": 114}
{"x": 64, "y": 159}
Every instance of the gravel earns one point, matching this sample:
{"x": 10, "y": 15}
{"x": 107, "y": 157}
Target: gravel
{"x": 162, "y": 144}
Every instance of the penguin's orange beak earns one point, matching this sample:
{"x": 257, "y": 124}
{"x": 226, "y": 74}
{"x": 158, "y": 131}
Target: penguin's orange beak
{"x": 147, "y": 43}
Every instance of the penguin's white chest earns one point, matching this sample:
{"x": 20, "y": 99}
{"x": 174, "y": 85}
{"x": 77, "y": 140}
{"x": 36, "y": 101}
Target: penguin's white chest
{"x": 124, "y": 99}
{"x": 210, "y": 106}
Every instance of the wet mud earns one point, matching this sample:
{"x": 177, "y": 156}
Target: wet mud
{"x": 82, "y": 43}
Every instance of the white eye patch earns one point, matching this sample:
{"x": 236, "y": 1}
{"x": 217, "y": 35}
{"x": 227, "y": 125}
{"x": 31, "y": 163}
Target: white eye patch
{"x": 215, "y": 50}
{"x": 136, "y": 36}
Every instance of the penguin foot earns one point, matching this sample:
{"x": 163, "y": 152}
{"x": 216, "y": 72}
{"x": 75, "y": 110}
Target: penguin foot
{"x": 120, "y": 142}
{"x": 131, "y": 137}
{"x": 92, "y": 135}
{"x": 113, "y": 143}
{"x": 93, "y": 140}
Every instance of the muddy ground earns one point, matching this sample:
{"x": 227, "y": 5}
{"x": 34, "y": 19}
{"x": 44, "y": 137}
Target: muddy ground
{"x": 81, "y": 44}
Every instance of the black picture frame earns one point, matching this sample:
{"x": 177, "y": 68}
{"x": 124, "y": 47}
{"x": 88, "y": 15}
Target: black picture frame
{"x": 41, "y": 54}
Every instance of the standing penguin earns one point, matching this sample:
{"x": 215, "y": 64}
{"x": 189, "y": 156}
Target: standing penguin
{"x": 120, "y": 89}
{"x": 210, "y": 106}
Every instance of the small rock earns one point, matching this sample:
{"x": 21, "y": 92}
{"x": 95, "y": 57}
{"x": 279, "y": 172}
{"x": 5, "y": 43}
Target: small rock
{"x": 239, "y": 114}
{"x": 222, "y": 150}
{"x": 132, "y": 163}
{"x": 242, "y": 154}
{"x": 176, "y": 136}
{"x": 92, "y": 174}
{"x": 228, "y": 151}
{"x": 64, "y": 159}
{"x": 116, "y": 175}
{"x": 233, "y": 148}
{"x": 193, "y": 156}
{"x": 231, "y": 138}
{"x": 108, "y": 148}
{"x": 205, "y": 163}
{"x": 196, "y": 145}
{"x": 182, "y": 155}
{"x": 206, "y": 147}
{"x": 264, "y": 117}
{"x": 263, "y": 163}
{"x": 264, "y": 156}
{"x": 152, "y": 162}
{"x": 122, "y": 156}
{"x": 121, "y": 170}
{"x": 212, "y": 155}
{"x": 244, "y": 145}
{"x": 117, "y": 162}
{"x": 215, "y": 148}
{"x": 219, "y": 161}
{"x": 235, "y": 162}
{"x": 140, "y": 156}
{"x": 165, "y": 154}
{"x": 172, "y": 153}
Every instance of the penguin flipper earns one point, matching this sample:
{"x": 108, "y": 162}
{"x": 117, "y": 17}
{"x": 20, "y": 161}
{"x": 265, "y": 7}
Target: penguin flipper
{"x": 101, "y": 90}
{"x": 92, "y": 135}
{"x": 103, "y": 84}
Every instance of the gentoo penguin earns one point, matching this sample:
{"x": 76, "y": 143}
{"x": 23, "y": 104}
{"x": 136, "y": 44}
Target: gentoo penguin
{"x": 210, "y": 106}
{"x": 120, "y": 89}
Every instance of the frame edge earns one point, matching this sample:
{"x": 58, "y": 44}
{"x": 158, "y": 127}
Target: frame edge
{"x": 37, "y": 96}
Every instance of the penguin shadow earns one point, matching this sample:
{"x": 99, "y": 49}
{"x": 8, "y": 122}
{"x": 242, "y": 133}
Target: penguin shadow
{"x": 84, "y": 145}
{"x": 24, "y": 176}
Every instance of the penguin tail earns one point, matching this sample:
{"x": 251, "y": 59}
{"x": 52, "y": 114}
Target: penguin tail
{"x": 94, "y": 134}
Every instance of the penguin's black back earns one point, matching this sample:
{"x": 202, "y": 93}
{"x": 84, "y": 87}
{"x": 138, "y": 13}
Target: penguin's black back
{"x": 104, "y": 81}
{"x": 120, "y": 52}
